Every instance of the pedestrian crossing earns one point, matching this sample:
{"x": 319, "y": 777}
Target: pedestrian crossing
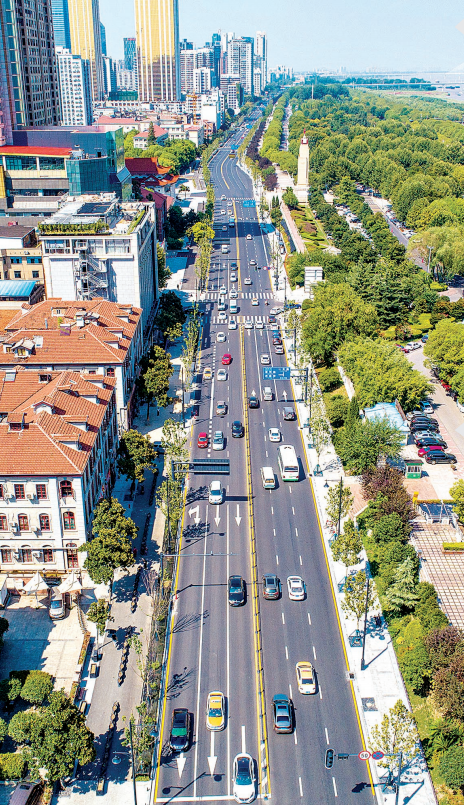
{"x": 239, "y": 319}
{"x": 214, "y": 295}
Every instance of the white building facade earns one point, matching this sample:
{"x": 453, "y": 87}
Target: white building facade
{"x": 75, "y": 93}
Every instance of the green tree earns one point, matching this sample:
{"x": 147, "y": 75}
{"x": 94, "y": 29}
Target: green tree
{"x": 337, "y": 409}
{"x": 396, "y": 732}
{"x": 19, "y": 727}
{"x": 3, "y": 729}
{"x": 330, "y": 379}
{"x": 37, "y": 687}
{"x": 105, "y": 553}
{"x": 457, "y": 495}
{"x": 401, "y": 595}
{"x": 151, "y": 139}
{"x": 448, "y": 688}
{"x": 336, "y": 506}
{"x": 290, "y": 199}
{"x": 355, "y": 589}
{"x": 109, "y": 515}
{"x": 99, "y": 613}
{"x": 136, "y": 454}
{"x": 170, "y": 312}
{"x": 348, "y": 546}
{"x": 452, "y": 767}
{"x": 320, "y": 429}
{"x": 163, "y": 271}
{"x": 361, "y": 447}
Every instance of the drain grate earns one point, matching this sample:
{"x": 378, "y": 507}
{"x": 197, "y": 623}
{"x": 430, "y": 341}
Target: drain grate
{"x": 369, "y": 704}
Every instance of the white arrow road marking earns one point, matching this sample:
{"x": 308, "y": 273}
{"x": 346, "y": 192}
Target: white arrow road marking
{"x": 217, "y": 520}
{"x": 238, "y": 519}
{"x": 196, "y": 511}
{"x": 181, "y": 761}
{"x": 212, "y": 757}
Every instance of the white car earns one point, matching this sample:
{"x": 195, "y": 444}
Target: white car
{"x": 221, "y": 374}
{"x": 232, "y": 324}
{"x": 244, "y": 779}
{"x": 305, "y": 677}
{"x": 265, "y": 359}
{"x": 222, "y": 316}
{"x": 233, "y": 278}
{"x": 252, "y": 262}
{"x": 216, "y": 492}
{"x": 255, "y": 302}
{"x": 220, "y": 337}
{"x": 259, "y": 325}
{"x": 296, "y": 588}
{"x": 223, "y": 289}
{"x": 274, "y": 435}
{"x": 233, "y": 295}
{"x": 223, "y": 212}
{"x": 274, "y": 311}
{"x": 248, "y": 237}
{"x": 218, "y": 440}
{"x": 247, "y": 281}
{"x": 248, "y": 324}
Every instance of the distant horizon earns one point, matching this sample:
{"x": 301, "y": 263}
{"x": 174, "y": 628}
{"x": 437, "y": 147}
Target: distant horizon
{"x": 394, "y": 38}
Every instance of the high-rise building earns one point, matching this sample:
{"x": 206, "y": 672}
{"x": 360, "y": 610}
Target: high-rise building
{"x": 157, "y": 34}
{"x": 261, "y": 54}
{"x": 29, "y": 80}
{"x": 74, "y": 78}
{"x": 202, "y": 80}
{"x": 187, "y": 66}
{"x": 84, "y": 24}
{"x": 109, "y": 75}
{"x": 60, "y": 14}
{"x": 130, "y": 52}
{"x": 240, "y": 61}
{"x": 257, "y": 82}
{"x": 103, "y": 39}
{"x": 185, "y": 45}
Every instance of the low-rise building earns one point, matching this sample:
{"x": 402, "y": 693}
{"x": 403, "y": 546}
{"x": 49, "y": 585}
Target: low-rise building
{"x": 58, "y": 442}
{"x": 13, "y": 293}
{"x": 98, "y": 338}
{"x": 20, "y": 254}
{"x": 97, "y": 246}
{"x": 196, "y": 135}
{"x": 141, "y": 140}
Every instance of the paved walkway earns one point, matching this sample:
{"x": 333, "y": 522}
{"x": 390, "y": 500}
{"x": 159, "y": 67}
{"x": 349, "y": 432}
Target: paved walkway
{"x": 444, "y": 571}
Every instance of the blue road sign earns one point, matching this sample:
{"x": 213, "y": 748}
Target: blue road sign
{"x": 276, "y": 373}
{"x": 249, "y": 202}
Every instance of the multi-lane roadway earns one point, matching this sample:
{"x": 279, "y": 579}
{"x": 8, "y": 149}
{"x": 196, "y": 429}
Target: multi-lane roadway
{"x": 215, "y": 646}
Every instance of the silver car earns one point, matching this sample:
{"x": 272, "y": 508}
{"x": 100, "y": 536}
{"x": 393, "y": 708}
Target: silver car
{"x": 218, "y": 440}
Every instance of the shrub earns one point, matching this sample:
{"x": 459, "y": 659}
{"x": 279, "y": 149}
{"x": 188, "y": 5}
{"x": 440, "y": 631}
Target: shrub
{"x": 12, "y": 766}
{"x": 452, "y": 767}
{"x": 441, "y": 645}
{"x": 330, "y": 379}
{"x": 448, "y": 688}
{"x": 388, "y": 528}
{"x": 427, "y": 609}
{"x": 337, "y": 409}
{"x": 37, "y": 687}
{"x": 413, "y": 657}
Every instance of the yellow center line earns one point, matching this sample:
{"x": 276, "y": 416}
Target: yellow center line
{"x": 259, "y": 670}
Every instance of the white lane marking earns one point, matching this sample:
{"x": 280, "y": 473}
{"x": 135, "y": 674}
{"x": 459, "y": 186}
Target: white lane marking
{"x": 301, "y": 561}
{"x": 293, "y": 510}
{"x": 335, "y": 787}
{"x": 309, "y": 618}
{"x": 228, "y": 648}
{"x": 290, "y": 689}
{"x": 296, "y": 532}
{"x": 267, "y": 456}
{"x": 283, "y": 618}
{"x": 327, "y": 735}
{"x": 243, "y": 740}
{"x": 274, "y": 531}
{"x": 314, "y": 652}
{"x": 290, "y": 490}
{"x": 286, "y": 653}
{"x": 200, "y": 651}
{"x": 320, "y": 692}
{"x": 295, "y": 737}
{"x": 212, "y": 401}
{"x": 301, "y": 786}
{"x": 272, "y": 509}
{"x": 277, "y": 561}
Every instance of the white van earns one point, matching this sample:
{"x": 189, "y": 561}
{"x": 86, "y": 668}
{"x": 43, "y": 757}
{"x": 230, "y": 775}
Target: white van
{"x": 267, "y": 394}
{"x": 224, "y": 248}
{"x": 233, "y": 306}
{"x": 268, "y": 477}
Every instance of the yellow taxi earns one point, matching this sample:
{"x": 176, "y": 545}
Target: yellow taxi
{"x": 215, "y": 711}
{"x": 305, "y": 677}
{"x": 207, "y": 373}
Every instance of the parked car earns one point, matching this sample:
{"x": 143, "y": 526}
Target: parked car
{"x": 426, "y": 407}
{"x": 423, "y": 418}
{"x": 57, "y": 608}
{"x": 427, "y": 448}
{"x": 417, "y": 427}
{"x": 439, "y": 457}
{"x": 422, "y": 440}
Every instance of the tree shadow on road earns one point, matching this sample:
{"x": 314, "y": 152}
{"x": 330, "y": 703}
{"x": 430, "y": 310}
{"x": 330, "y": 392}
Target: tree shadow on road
{"x": 180, "y": 682}
{"x": 189, "y": 622}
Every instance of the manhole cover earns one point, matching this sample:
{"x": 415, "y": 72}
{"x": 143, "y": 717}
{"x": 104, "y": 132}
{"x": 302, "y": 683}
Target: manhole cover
{"x": 368, "y": 704}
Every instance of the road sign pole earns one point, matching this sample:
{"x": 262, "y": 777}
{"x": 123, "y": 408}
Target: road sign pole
{"x": 398, "y": 780}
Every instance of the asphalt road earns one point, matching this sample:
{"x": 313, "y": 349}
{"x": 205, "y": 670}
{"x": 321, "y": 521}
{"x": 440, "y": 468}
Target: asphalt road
{"x": 213, "y": 645}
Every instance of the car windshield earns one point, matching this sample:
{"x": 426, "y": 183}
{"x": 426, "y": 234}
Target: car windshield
{"x": 215, "y": 712}
{"x": 281, "y": 719}
{"x": 55, "y": 605}
{"x": 243, "y": 772}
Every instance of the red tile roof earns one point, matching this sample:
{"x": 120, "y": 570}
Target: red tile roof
{"x": 34, "y": 151}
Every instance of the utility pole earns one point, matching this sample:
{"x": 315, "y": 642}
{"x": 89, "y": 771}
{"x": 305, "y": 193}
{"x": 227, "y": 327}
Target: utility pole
{"x": 365, "y": 616}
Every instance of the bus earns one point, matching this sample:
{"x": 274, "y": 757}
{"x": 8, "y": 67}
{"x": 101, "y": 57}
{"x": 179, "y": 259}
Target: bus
{"x": 231, "y": 221}
{"x": 288, "y": 463}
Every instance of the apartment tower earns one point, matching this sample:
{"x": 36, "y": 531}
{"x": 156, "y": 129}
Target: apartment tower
{"x": 157, "y": 35}
{"x": 84, "y": 26}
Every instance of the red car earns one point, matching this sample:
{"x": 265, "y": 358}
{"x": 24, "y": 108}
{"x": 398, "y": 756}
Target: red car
{"x": 424, "y": 450}
{"x": 202, "y": 440}
{"x": 226, "y": 359}
{"x": 277, "y": 342}
{"x": 445, "y": 385}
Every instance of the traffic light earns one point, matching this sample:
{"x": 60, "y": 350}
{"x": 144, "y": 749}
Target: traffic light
{"x": 329, "y": 758}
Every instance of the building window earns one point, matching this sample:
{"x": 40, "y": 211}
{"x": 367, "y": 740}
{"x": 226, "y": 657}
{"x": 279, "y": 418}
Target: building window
{"x": 16, "y": 261}
{"x": 48, "y": 554}
{"x": 110, "y": 371}
{"x": 69, "y": 521}
{"x": 23, "y": 522}
{"x": 7, "y": 555}
{"x": 51, "y": 163}
{"x": 66, "y": 489}
{"x": 19, "y": 491}
{"x": 2, "y": 491}
{"x": 3, "y": 522}
{"x": 41, "y": 491}
{"x": 17, "y": 275}
{"x": 26, "y": 554}
{"x": 71, "y": 553}
{"x": 35, "y": 275}
{"x": 44, "y": 521}
{"x": 35, "y": 261}
{"x": 19, "y": 163}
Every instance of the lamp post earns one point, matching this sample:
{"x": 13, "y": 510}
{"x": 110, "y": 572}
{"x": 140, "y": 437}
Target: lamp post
{"x": 365, "y": 614}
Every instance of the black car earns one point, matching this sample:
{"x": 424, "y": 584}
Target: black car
{"x": 233, "y": 265}
{"x": 425, "y": 441}
{"x": 271, "y": 586}
{"x": 237, "y": 429}
{"x": 272, "y": 320}
{"x": 236, "y": 591}
{"x": 423, "y": 426}
{"x": 253, "y": 401}
{"x": 289, "y": 413}
{"x": 437, "y": 457}
{"x": 179, "y": 738}
{"x": 423, "y": 418}
{"x": 282, "y": 712}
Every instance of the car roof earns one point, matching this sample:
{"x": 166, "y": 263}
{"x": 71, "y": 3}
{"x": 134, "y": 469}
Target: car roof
{"x": 280, "y": 697}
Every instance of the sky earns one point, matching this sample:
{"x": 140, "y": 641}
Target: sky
{"x": 409, "y": 35}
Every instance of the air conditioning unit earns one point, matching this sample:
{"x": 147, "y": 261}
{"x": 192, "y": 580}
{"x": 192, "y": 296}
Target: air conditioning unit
{"x": 17, "y": 555}
{"x": 13, "y": 524}
{"x": 9, "y": 495}
{"x": 30, "y": 495}
{"x": 37, "y": 555}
